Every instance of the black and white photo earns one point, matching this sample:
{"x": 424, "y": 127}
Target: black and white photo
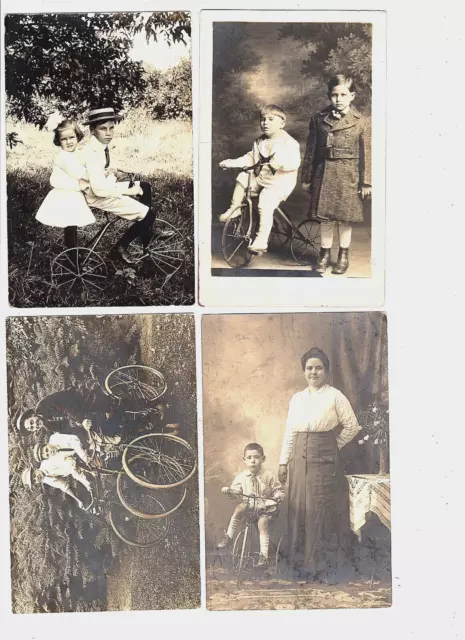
{"x": 99, "y": 159}
{"x": 102, "y": 435}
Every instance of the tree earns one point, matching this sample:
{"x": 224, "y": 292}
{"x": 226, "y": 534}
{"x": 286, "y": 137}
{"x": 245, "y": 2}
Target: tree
{"x": 79, "y": 60}
{"x": 333, "y": 48}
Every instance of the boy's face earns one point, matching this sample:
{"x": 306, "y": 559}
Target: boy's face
{"x": 341, "y": 97}
{"x": 38, "y": 476}
{"x": 253, "y": 460}
{"x": 68, "y": 140}
{"x": 271, "y": 123}
{"x": 49, "y": 450}
{"x": 104, "y": 131}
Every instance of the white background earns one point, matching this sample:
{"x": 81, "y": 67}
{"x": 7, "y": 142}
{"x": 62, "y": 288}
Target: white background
{"x": 424, "y": 295}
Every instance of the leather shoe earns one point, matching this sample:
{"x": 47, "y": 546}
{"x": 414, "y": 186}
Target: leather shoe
{"x": 120, "y": 253}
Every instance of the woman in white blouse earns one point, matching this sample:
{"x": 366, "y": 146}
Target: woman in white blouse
{"x": 320, "y": 421}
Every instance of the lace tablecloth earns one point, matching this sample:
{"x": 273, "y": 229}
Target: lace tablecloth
{"x": 369, "y": 493}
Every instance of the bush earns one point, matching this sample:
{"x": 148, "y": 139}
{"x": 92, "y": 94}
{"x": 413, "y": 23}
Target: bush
{"x": 169, "y": 93}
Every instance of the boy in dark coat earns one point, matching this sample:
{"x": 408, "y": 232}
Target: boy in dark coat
{"x": 337, "y": 169}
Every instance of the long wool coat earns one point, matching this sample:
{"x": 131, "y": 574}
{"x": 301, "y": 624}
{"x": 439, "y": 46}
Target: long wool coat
{"x": 337, "y": 163}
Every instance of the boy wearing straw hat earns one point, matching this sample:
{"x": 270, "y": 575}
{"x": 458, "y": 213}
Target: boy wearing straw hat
{"x": 102, "y": 191}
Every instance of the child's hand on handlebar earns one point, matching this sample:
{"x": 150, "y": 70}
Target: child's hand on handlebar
{"x": 226, "y": 164}
{"x": 226, "y": 491}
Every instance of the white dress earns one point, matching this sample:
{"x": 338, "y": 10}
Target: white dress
{"x": 65, "y": 205}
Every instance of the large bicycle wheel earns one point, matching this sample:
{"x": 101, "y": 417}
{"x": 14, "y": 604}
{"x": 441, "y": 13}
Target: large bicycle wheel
{"x": 167, "y": 248}
{"x": 306, "y": 242}
{"x": 236, "y": 238}
{"x": 140, "y": 501}
{"x": 159, "y": 461}
{"x": 78, "y": 269}
{"x": 135, "y": 531}
{"x": 136, "y": 383}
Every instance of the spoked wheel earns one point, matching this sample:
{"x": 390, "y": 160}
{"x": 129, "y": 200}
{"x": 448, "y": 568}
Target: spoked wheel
{"x": 135, "y": 531}
{"x": 306, "y": 242}
{"x": 242, "y": 552}
{"x": 141, "y": 502}
{"x": 159, "y": 461}
{"x": 236, "y": 239}
{"x": 280, "y": 233}
{"x": 79, "y": 269}
{"x": 135, "y": 384}
{"x": 167, "y": 248}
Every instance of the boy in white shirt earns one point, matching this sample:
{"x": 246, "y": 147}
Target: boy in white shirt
{"x": 59, "y": 461}
{"x": 274, "y": 181}
{"x": 258, "y": 482}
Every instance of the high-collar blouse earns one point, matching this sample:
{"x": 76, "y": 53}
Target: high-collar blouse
{"x": 318, "y": 411}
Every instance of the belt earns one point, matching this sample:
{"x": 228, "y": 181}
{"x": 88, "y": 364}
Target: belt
{"x": 332, "y": 153}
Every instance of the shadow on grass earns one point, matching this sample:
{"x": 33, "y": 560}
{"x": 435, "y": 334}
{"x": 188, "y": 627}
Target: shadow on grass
{"x": 32, "y": 248}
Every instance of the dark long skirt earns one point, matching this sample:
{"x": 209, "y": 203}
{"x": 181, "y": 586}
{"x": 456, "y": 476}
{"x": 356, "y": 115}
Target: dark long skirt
{"x": 318, "y": 515}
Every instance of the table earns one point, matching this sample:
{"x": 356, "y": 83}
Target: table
{"x": 369, "y": 493}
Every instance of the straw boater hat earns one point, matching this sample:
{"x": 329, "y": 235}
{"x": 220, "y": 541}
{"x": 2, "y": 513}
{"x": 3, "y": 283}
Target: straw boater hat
{"x": 20, "y": 422}
{"x": 26, "y": 477}
{"x": 37, "y": 451}
{"x": 101, "y": 115}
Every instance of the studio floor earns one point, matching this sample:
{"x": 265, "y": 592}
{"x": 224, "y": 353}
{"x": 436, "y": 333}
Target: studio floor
{"x": 282, "y": 260}
{"x": 273, "y": 594}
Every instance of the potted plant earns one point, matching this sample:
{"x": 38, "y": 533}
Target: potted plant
{"x": 374, "y": 422}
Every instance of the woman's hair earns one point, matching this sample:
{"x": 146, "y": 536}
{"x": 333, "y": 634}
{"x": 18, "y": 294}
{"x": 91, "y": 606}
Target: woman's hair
{"x": 335, "y": 81}
{"x": 274, "y": 109}
{"x": 253, "y": 446}
{"x": 67, "y": 124}
{"x": 315, "y": 352}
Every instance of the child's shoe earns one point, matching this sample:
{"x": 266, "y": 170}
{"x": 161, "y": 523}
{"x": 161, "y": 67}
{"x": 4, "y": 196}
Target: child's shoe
{"x": 257, "y": 247}
{"x": 232, "y": 212}
{"x": 225, "y": 542}
{"x": 262, "y": 562}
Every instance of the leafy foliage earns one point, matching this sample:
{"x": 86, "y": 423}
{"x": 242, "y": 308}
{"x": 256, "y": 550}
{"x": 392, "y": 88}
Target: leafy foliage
{"x": 79, "y": 60}
{"x": 168, "y": 94}
{"x": 60, "y": 555}
{"x": 332, "y": 48}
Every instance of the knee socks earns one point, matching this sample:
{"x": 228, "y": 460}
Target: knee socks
{"x": 234, "y": 525}
{"x": 264, "y": 544}
{"x": 327, "y": 231}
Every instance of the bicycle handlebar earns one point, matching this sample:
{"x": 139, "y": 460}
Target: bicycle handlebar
{"x": 252, "y": 497}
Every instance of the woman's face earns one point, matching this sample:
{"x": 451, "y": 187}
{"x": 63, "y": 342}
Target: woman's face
{"x": 315, "y": 373}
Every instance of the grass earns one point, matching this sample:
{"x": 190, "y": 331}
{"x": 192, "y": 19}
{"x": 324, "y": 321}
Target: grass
{"x": 160, "y": 152}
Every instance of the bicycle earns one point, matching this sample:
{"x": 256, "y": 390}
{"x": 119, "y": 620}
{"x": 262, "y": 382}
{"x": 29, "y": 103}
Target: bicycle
{"x": 83, "y": 267}
{"x": 239, "y": 232}
{"x": 152, "y": 463}
{"x": 245, "y": 549}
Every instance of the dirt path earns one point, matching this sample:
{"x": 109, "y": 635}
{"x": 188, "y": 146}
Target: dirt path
{"x": 166, "y": 576}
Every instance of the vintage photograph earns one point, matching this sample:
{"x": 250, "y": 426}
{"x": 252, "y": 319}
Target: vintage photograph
{"x": 102, "y": 436}
{"x": 99, "y": 158}
{"x": 296, "y": 461}
{"x": 291, "y": 153}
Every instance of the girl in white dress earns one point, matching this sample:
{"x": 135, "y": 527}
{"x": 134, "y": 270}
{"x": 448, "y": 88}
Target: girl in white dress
{"x": 65, "y": 205}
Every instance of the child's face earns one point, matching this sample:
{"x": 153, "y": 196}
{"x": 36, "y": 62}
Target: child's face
{"x": 253, "y": 460}
{"x": 68, "y": 140}
{"x": 341, "y": 97}
{"x": 271, "y": 124}
{"x": 104, "y": 131}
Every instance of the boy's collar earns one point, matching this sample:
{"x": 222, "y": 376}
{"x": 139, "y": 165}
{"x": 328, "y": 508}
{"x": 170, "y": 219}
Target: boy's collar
{"x": 96, "y": 143}
{"x": 249, "y": 473}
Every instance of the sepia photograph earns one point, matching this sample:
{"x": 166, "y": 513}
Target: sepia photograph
{"x": 102, "y": 445}
{"x": 99, "y": 159}
{"x": 296, "y": 461}
{"x": 293, "y": 186}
